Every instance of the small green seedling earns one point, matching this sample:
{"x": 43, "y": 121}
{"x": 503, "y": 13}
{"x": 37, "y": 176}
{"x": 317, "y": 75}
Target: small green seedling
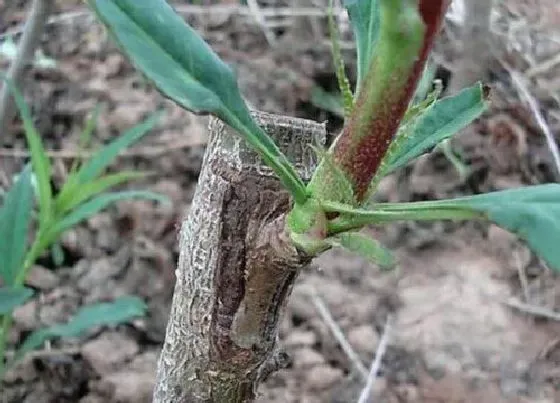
{"x": 385, "y": 127}
{"x": 85, "y": 193}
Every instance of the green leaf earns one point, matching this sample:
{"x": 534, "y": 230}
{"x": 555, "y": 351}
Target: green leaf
{"x": 365, "y": 19}
{"x": 81, "y": 186}
{"x": 57, "y": 254}
{"x": 82, "y": 192}
{"x": 325, "y": 100}
{"x": 15, "y": 216}
{"x": 425, "y": 83}
{"x": 532, "y": 213}
{"x": 461, "y": 167}
{"x": 105, "y": 156}
{"x": 185, "y": 69}
{"x": 442, "y": 120}
{"x": 85, "y": 138}
{"x": 39, "y": 160}
{"x": 413, "y": 113}
{"x": 122, "y": 310}
{"x": 343, "y": 83}
{"x": 95, "y": 205}
{"x": 12, "y": 297}
{"x": 364, "y": 246}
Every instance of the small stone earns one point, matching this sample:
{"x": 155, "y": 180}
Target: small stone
{"x": 99, "y": 273}
{"x": 300, "y": 338}
{"x": 42, "y": 278}
{"x": 501, "y": 240}
{"x": 299, "y": 307}
{"x": 25, "y": 316}
{"x": 24, "y": 372}
{"x": 322, "y": 377}
{"x": 109, "y": 350}
{"x": 306, "y": 358}
{"x": 364, "y": 339}
{"x": 132, "y": 386}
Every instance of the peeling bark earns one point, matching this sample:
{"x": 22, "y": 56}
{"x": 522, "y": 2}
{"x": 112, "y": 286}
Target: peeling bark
{"x": 236, "y": 268}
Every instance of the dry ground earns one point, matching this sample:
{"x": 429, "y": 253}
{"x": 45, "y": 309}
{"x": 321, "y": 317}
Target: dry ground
{"x": 457, "y": 330}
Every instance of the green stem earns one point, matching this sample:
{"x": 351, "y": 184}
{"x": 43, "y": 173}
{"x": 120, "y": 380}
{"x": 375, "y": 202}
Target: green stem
{"x": 39, "y": 245}
{"x": 408, "y": 212}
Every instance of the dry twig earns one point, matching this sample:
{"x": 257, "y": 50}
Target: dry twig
{"x": 543, "y": 67}
{"x": 338, "y": 334}
{"x": 533, "y": 309}
{"x": 261, "y": 21}
{"x": 376, "y": 364}
{"x": 534, "y": 106}
{"x": 38, "y": 15}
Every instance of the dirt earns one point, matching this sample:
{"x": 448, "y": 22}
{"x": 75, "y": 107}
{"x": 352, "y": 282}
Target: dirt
{"x": 455, "y": 334}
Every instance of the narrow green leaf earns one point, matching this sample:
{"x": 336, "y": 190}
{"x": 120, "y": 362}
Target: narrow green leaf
{"x": 532, "y": 213}
{"x": 365, "y": 19}
{"x": 15, "y": 216}
{"x": 95, "y": 205}
{"x": 39, "y": 160}
{"x": 366, "y": 247}
{"x": 105, "y": 156}
{"x": 325, "y": 100}
{"x": 122, "y": 310}
{"x": 57, "y": 254}
{"x": 343, "y": 83}
{"x": 352, "y": 218}
{"x": 76, "y": 188}
{"x": 441, "y": 121}
{"x": 85, "y": 138}
{"x": 461, "y": 167}
{"x": 12, "y": 297}
{"x": 425, "y": 83}
{"x": 185, "y": 69}
{"x": 82, "y": 192}
{"x": 406, "y": 129}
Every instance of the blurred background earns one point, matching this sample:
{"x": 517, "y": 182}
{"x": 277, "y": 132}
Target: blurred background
{"x": 473, "y": 313}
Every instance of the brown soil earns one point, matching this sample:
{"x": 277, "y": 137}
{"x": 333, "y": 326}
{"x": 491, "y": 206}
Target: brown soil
{"x": 455, "y": 335}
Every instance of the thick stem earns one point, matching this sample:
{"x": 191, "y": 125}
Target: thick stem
{"x": 236, "y": 269}
{"x": 406, "y": 35}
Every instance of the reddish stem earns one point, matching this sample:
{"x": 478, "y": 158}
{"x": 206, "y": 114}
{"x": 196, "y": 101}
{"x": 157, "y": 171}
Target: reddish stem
{"x": 360, "y": 155}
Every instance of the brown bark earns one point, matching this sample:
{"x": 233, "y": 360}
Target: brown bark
{"x": 236, "y": 269}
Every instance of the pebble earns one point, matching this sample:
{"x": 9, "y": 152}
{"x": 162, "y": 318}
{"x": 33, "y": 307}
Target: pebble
{"x": 322, "y": 377}
{"x": 105, "y": 352}
{"x": 42, "y": 278}
{"x": 364, "y": 339}
{"x": 305, "y": 358}
{"x": 300, "y": 338}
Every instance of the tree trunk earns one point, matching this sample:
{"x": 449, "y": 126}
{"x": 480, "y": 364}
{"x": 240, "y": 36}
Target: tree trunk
{"x": 236, "y": 268}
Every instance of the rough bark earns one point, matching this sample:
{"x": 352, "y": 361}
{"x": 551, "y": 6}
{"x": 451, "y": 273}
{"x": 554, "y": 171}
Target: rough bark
{"x": 236, "y": 269}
